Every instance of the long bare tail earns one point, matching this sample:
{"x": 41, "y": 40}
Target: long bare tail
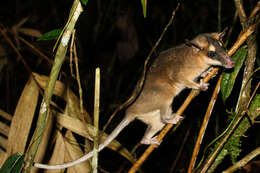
{"x": 110, "y": 138}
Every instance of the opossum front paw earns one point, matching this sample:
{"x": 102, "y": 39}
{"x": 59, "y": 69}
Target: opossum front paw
{"x": 205, "y": 73}
{"x": 174, "y": 119}
{"x": 150, "y": 141}
{"x": 203, "y": 86}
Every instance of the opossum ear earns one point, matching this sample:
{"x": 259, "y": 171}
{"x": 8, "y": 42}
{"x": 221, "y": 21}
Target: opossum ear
{"x": 219, "y": 35}
{"x": 193, "y": 45}
{"x": 222, "y": 34}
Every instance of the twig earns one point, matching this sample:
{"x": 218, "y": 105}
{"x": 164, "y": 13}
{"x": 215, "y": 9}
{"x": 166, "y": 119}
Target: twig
{"x": 242, "y": 39}
{"x": 243, "y": 161}
{"x": 213, "y": 156}
{"x": 141, "y": 81}
{"x": 231, "y": 28}
{"x": 78, "y": 78}
{"x": 192, "y": 94}
{"x": 71, "y": 52}
{"x": 19, "y": 55}
{"x": 254, "y": 11}
{"x": 36, "y": 50}
{"x": 180, "y": 151}
{"x": 5, "y": 115}
{"x": 204, "y": 125}
{"x": 242, "y": 14}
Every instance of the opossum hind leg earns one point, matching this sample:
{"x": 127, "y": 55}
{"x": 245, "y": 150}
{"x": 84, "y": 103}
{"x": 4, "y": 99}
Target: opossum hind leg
{"x": 149, "y": 137}
{"x": 173, "y": 119}
{"x": 154, "y": 123}
{"x": 168, "y": 117}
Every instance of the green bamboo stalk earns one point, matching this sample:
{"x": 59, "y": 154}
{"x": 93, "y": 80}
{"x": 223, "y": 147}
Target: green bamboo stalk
{"x": 44, "y": 110}
{"x": 96, "y": 120}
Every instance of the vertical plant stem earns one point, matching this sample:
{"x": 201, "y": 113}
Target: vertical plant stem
{"x": 241, "y": 13}
{"x": 244, "y": 95}
{"x": 78, "y": 78}
{"x": 44, "y": 110}
{"x": 96, "y": 120}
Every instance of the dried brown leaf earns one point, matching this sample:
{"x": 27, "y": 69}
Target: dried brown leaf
{"x": 30, "y": 32}
{"x": 4, "y": 129}
{"x": 73, "y": 107}
{"x": 2, "y": 153}
{"x": 58, "y": 155}
{"x": 73, "y": 104}
{"x": 74, "y": 152}
{"x": 76, "y": 123}
{"x": 3, "y": 142}
{"x": 5, "y": 115}
{"x": 59, "y": 89}
{"x": 19, "y": 24}
{"x": 87, "y": 131}
{"x": 22, "y": 119}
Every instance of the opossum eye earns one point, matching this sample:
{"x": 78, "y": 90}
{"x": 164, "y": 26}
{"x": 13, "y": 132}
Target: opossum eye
{"x": 212, "y": 54}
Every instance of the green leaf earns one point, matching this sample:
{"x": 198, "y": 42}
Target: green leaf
{"x": 84, "y": 2}
{"x": 54, "y": 34}
{"x": 13, "y": 164}
{"x": 144, "y": 5}
{"x": 229, "y": 79}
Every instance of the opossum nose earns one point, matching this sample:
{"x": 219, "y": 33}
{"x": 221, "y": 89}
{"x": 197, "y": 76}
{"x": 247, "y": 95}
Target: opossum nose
{"x": 229, "y": 63}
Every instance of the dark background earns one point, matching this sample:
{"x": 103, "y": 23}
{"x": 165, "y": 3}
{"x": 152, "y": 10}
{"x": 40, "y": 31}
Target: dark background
{"x": 114, "y": 36}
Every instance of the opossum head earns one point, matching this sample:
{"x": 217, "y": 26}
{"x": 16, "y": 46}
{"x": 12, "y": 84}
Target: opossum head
{"x": 211, "y": 49}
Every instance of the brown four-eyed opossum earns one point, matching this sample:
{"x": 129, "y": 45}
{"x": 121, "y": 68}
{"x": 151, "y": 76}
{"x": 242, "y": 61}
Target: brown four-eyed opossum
{"x": 172, "y": 71}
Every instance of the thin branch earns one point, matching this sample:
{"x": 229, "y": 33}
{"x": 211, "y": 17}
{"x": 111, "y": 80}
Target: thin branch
{"x": 243, "y": 161}
{"x": 242, "y": 39}
{"x": 231, "y": 28}
{"x": 71, "y": 52}
{"x": 78, "y": 78}
{"x": 36, "y": 50}
{"x": 176, "y": 160}
{"x": 241, "y": 13}
{"x": 254, "y": 11}
{"x": 204, "y": 125}
{"x": 19, "y": 55}
{"x": 220, "y": 146}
